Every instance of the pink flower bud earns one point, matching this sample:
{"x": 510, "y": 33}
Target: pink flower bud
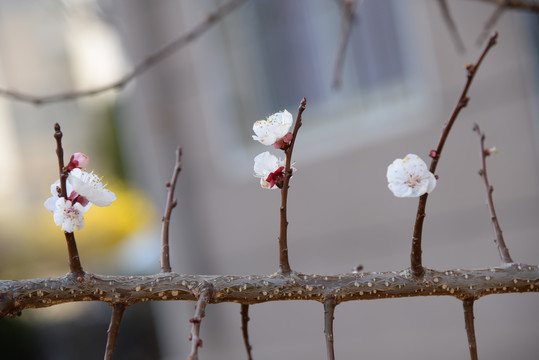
{"x": 276, "y": 178}
{"x": 78, "y": 160}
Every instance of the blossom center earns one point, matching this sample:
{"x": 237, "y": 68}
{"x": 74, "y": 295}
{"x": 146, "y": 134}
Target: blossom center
{"x": 413, "y": 180}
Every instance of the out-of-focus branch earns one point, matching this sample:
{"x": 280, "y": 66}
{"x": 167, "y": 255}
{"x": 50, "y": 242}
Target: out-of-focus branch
{"x": 140, "y": 68}
{"x": 416, "y": 261}
{"x": 450, "y": 23}
{"x": 114, "y": 328}
{"x": 200, "y": 312}
{"x": 244, "y": 329}
{"x": 491, "y": 22}
{"x": 502, "y": 248}
{"x": 526, "y": 5}
{"x": 284, "y": 265}
{"x": 470, "y": 329}
{"x": 170, "y": 205}
{"x": 349, "y": 17}
{"x": 18, "y": 295}
{"x": 75, "y": 265}
{"x": 329, "y": 311}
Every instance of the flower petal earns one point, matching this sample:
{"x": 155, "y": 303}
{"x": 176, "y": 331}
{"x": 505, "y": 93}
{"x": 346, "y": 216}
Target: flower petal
{"x": 90, "y": 186}
{"x": 410, "y": 177}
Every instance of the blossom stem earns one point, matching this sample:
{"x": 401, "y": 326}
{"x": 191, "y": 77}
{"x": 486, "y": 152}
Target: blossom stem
{"x": 416, "y": 261}
{"x": 60, "y": 154}
{"x": 75, "y": 266}
{"x": 171, "y": 204}
{"x": 284, "y": 265}
{"x": 502, "y": 248}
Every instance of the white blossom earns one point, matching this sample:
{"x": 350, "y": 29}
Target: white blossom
{"x": 410, "y": 177}
{"x": 69, "y": 215}
{"x": 269, "y": 169}
{"x": 50, "y": 203}
{"x": 274, "y": 130}
{"x": 89, "y": 185}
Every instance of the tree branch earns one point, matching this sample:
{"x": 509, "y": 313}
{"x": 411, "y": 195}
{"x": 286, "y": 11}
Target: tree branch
{"x": 470, "y": 329}
{"x": 451, "y": 26}
{"x": 244, "y": 322}
{"x": 284, "y": 265}
{"x": 502, "y": 248}
{"x": 196, "y": 342}
{"x": 349, "y": 18}
{"x": 491, "y": 22}
{"x": 329, "y": 310}
{"x": 532, "y": 6}
{"x": 140, "y": 68}
{"x": 75, "y": 265}
{"x": 170, "y": 205}
{"x": 114, "y": 328}
{"x": 18, "y": 295}
{"x": 415, "y": 256}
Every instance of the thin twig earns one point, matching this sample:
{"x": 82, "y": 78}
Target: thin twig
{"x": 348, "y": 20}
{"x": 244, "y": 322}
{"x": 470, "y": 329}
{"x": 75, "y": 266}
{"x": 491, "y": 22}
{"x": 284, "y": 265}
{"x": 329, "y": 310}
{"x": 140, "y": 68}
{"x": 114, "y": 328}
{"x": 502, "y": 248}
{"x": 450, "y": 23}
{"x": 170, "y": 205}
{"x": 416, "y": 261}
{"x": 200, "y": 307}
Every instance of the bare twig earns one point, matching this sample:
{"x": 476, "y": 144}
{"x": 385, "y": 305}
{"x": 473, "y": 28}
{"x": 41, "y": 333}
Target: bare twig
{"x": 470, "y": 329}
{"x": 244, "y": 322}
{"x": 170, "y": 205}
{"x": 450, "y": 23}
{"x": 348, "y": 21}
{"x": 491, "y": 22}
{"x": 284, "y": 265}
{"x": 200, "y": 312}
{"x": 416, "y": 262}
{"x": 140, "y": 68}
{"x": 114, "y": 328}
{"x": 502, "y": 248}
{"x": 329, "y": 310}
{"x": 75, "y": 266}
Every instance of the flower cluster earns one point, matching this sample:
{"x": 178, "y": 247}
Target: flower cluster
{"x": 409, "y": 177}
{"x": 82, "y": 190}
{"x": 272, "y": 131}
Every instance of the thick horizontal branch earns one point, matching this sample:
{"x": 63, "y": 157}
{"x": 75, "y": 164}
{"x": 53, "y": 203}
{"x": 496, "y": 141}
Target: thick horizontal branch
{"x": 17, "y": 295}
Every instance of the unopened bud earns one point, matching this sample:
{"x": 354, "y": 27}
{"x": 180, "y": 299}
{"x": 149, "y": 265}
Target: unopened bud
{"x": 492, "y": 150}
{"x": 78, "y": 160}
